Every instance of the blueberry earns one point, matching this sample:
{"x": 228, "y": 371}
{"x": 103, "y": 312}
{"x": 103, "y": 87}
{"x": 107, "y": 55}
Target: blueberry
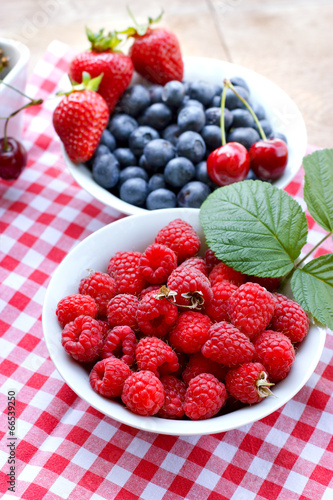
{"x": 131, "y": 172}
{"x": 193, "y": 194}
{"x": 157, "y": 116}
{"x": 191, "y": 102}
{"x": 217, "y": 89}
{"x": 135, "y": 100}
{"x": 101, "y": 149}
{"x": 171, "y": 133}
{"x": 245, "y": 135}
{"x": 173, "y": 93}
{"x": 216, "y": 102}
{"x": 140, "y": 137}
{"x": 259, "y": 110}
{"x": 134, "y": 191}
{"x": 213, "y": 116}
{"x": 211, "y": 134}
{"x": 202, "y": 91}
{"x": 158, "y": 153}
{"x": 121, "y": 126}
{"x": 105, "y": 170}
{"x": 155, "y": 92}
{"x": 191, "y": 118}
{"x": 266, "y": 126}
{"x": 242, "y": 118}
{"x": 108, "y": 140}
{"x": 156, "y": 181}
{"x": 251, "y": 176}
{"x": 161, "y": 198}
{"x": 279, "y": 135}
{"x": 179, "y": 171}
{"x": 192, "y": 146}
{"x": 238, "y": 81}
{"x": 125, "y": 157}
{"x": 232, "y": 101}
{"x": 202, "y": 175}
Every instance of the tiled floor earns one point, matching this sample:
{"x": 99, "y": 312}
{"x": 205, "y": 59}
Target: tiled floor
{"x": 288, "y": 41}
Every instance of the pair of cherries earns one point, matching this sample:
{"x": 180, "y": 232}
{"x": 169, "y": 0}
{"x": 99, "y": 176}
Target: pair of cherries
{"x": 231, "y": 162}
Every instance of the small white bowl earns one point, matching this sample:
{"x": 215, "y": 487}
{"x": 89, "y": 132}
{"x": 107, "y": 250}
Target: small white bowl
{"x": 281, "y": 111}
{"x": 15, "y": 75}
{"x": 93, "y": 253}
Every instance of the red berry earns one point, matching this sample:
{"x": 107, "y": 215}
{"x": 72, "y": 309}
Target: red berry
{"x": 269, "y": 158}
{"x": 121, "y": 310}
{"x": 143, "y": 393}
{"x": 174, "y": 390}
{"x": 72, "y": 306}
{"x": 121, "y": 343}
{"x": 199, "y": 364}
{"x": 271, "y": 284}
{"x": 191, "y": 287}
{"x": 227, "y": 345}
{"x": 197, "y": 262}
{"x": 101, "y": 287}
{"x": 108, "y": 377}
{"x": 222, "y": 272}
{"x": 13, "y": 158}
{"x": 157, "y": 263}
{"x": 217, "y": 309}
{"x": 156, "y": 316}
{"x": 205, "y": 396}
{"x": 156, "y": 356}
{"x": 190, "y": 332}
{"x": 251, "y": 308}
{"x": 211, "y": 260}
{"x": 248, "y": 383}
{"x": 275, "y": 351}
{"x": 228, "y": 164}
{"x": 290, "y": 319}
{"x": 83, "y": 339}
{"x": 124, "y": 268}
{"x": 181, "y": 238}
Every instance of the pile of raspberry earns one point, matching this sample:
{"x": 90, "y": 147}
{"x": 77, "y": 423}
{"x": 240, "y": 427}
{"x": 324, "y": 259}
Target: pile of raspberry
{"x": 177, "y": 335}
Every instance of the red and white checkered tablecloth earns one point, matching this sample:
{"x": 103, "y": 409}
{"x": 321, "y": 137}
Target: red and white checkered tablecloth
{"x": 66, "y": 449}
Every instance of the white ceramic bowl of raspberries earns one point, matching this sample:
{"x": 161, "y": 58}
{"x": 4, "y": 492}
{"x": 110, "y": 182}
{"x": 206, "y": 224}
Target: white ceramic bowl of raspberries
{"x": 138, "y": 362}
{"x": 277, "y": 112}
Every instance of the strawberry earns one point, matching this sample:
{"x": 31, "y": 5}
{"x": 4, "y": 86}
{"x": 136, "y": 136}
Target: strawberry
{"x": 155, "y": 53}
{"x": 80, "y": 118}
{"x": 117, "y": 68}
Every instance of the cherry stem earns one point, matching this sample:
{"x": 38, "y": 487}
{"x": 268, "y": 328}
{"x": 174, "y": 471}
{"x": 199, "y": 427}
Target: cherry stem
{"x": 33, "y": 102}
{"x": 261, "y": 131}
{"x": 222, "y": 121}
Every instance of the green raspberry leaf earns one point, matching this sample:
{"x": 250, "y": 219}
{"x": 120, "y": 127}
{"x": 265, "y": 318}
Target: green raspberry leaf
{"x": 254, "y": 227}
{"x": 318, "y": 182}
{"x": 312, "y": 287}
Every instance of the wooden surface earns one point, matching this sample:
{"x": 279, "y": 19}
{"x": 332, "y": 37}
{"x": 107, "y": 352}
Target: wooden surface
{"x": 288, "y": 41}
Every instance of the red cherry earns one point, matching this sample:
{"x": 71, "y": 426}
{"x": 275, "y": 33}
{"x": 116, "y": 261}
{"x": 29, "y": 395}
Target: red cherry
{"x": 229, "y": 163}
{"x": 269, "y": 158}
{"x": 13, "y": 158}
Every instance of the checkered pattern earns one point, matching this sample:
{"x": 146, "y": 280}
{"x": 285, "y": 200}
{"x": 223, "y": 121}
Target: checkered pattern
{"x": 66, "y": 449}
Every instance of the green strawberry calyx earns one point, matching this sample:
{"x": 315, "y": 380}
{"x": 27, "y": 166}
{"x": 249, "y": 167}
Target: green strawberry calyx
{"x": 103, "y": 43}
{"x": 87, "y": 83}
{"x": 140, "y": 29}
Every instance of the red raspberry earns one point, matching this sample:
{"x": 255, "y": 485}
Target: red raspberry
{"x": 120, "y": 343}
{"x": 251, "y": 308}
{"x": 72, "y": 306}
{"x": 104, "y": 326}
{"x": 278, "y": 297}
{"x": 190, "y": 332}
{"x": 156, "y": 356}
{"x": 217, "y": 309}
{"x": 275, "y": 351}
{"x": 227, "y": 345}
{"x": 157, "y": 263}
{"x": 101, "y": 287}
{"x": 248, "y": 383}
{"x": 199, "y": 364}
{"x": 174, "y": 390}
{"x": 121, "y": 310}
{"x": 143, "y": 393}
{"x": 151, "y": 288}
{"x": 205, "y": 396}
{"x": 156, "y": 316}
{"x": 124, "y": 268}
{"x": 223, "y": 272}
{"x": 197, "y": 262}
{"x": 181, "y": 238}
{"x": 290, "y": 319}
{"x": 82, "y": 338}
{"x": 191, "y": 287}
{"x": 271, "y": 284}
{"x": 108, "y": 377}
{"x": 211, "y": 260}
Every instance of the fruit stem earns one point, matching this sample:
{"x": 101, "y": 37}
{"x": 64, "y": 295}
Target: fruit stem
{"x": 261, "y": 131}
{"x": 222, "y": 121}
{"x": 263, "y": 385}
{"x": 33, "y": 102}
{"x": 16, "y": 90}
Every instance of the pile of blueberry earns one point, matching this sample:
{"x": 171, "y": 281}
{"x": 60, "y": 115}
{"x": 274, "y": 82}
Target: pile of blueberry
{"x": 153, "y": 152}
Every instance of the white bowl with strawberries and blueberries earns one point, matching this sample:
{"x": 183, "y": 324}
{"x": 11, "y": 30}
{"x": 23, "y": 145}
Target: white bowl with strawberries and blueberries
{"x": 146, "y": 325}
{"x": 163, "y": 130}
